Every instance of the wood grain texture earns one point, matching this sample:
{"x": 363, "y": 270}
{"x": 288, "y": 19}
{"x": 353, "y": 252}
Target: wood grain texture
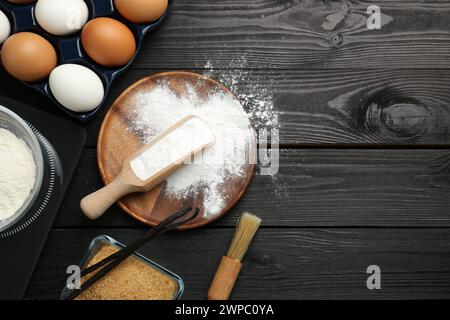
{"x": 300, "y": 34}
{"x": 347, "y": 187}
{"x": 281, "y": 263}
{"x": 324, "y": 107}
{"x": 338, "y": 107}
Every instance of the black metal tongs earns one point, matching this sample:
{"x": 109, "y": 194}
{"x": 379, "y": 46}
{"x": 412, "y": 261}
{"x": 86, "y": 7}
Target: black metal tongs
{"x": 109, "y": 263}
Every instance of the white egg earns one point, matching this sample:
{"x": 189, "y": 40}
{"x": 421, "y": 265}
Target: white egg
{"x": 76, "y": 87}
{"x": 5, "y": 27}
{"x": 61, "y": 17}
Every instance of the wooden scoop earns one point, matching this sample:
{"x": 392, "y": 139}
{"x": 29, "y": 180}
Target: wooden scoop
{"x": 152, "y": 164}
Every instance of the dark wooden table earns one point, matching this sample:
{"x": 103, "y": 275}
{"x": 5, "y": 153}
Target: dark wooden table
{"x": 365, "y": 162}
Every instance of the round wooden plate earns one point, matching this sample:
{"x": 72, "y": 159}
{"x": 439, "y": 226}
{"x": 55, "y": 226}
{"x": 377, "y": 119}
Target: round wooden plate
{"x": 116, "y": 142}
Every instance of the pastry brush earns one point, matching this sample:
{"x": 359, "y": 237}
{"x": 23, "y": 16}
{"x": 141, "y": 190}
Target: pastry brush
{"x": 231, "y": 264}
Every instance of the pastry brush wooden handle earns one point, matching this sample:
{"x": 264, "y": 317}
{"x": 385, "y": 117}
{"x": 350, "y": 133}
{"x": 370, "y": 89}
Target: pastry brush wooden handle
{"x": 224, "y": 280}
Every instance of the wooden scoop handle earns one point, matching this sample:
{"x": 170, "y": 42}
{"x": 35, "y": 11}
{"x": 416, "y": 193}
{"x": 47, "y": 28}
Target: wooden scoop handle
{"x": 224, "y": 280}
{"x": 95, "y": 204}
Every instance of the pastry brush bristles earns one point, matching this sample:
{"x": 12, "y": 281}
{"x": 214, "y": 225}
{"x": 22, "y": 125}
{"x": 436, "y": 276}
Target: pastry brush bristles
{"x": 248, "y": 225}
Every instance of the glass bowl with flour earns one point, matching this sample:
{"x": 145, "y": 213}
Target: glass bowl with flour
{"x": 22, "y": 168}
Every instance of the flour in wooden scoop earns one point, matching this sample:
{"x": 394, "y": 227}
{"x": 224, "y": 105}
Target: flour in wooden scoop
{"x": 176, "y": 147}
{"x": 158, "y": 109}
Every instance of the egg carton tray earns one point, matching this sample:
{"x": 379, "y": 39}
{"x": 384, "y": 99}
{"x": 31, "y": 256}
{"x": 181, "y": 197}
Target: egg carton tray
{"x": 69, "y": 48}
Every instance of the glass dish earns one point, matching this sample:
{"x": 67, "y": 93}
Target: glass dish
{"x": 103, "y": 240}
{"x": 12, "y": 122}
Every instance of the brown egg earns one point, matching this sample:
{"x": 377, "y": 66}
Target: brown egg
{"x": 28, "y": 56}
{"x": 108, "y": 42}
{"x": 21, "y": 1}
{"x": 141, "y": 11}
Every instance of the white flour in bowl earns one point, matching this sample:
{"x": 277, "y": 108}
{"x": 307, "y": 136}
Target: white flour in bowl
{"x": 156, "y": 110}
{"x": 17, "y": 173}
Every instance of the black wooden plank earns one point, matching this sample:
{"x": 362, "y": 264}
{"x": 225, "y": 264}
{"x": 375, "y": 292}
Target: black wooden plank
{"x": 383, "y": 107}
{"x": 281, "y": 263}
{"x": 340, "y": 107}
{"x": 296, "y": 34}
{"x": 346, "y": 187}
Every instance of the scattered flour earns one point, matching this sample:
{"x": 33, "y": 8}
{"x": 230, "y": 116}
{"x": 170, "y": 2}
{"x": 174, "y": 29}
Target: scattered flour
{"x": 156, "y": 110}
{"x": 17, "y": 173}
{"x": 255, "y": 90}
{"x": 252, "y": 88}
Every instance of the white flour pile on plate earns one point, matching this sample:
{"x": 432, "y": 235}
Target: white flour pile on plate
{"x": 156, "y": 110}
